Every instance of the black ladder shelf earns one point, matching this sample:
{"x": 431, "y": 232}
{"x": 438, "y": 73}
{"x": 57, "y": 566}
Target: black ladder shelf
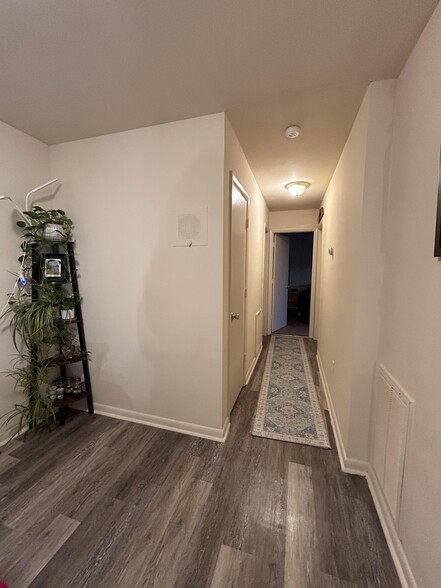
{"x": 63, "y": 404}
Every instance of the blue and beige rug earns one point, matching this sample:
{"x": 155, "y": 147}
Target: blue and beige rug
{"x": 288, "y": 407}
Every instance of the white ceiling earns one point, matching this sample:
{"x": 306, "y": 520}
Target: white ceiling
{"x": 71, "y": 69}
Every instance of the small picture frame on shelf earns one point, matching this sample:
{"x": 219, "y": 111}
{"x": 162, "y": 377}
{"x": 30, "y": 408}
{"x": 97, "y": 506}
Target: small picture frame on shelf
{"x": 54, "y": 267}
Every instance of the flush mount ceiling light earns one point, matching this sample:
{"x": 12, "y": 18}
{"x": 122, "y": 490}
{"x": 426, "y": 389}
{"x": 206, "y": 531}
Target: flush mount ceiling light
{"x": 297, "y": 188}
{"x": 292, "y": 132}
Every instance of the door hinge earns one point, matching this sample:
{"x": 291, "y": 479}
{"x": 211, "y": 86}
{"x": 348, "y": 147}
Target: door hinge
{"x": 247, "y": 224}
{"x": 245, "y": 293}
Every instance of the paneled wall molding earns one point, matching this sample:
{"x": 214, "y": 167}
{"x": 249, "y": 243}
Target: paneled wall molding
{"x": 361, "y": 468}
{"x": 396, "y": 549}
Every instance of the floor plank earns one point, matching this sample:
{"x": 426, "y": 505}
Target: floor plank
{"x": 301, "y": 559}
{"x": 165, "y": 565}
{"x": 328, "y": 581}
{"x": 101, "y": 502}
{"x": 132, "y": 566}
{"x": 85, "y": 553}
{"x": 6, "y": 462}
{"x": 29, "y": 562}
{"x": 233, "y": 569}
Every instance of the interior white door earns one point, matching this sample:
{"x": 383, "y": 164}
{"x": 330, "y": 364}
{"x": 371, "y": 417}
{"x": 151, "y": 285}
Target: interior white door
{"x": 280, "y": 281}
{"x": 239, "y": 211}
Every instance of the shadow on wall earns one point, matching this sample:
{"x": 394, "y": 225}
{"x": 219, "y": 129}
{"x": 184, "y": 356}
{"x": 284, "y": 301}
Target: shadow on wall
{"x": 153, "y": 312}
{"x": 112, "y": 383}
{"x": 180, "y": 311}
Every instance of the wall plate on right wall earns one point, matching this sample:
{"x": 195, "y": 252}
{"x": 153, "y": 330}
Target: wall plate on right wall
{"x": 321, "y": 214}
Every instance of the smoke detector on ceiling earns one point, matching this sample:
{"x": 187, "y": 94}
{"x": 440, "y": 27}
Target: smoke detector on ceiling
{"x": 292, "y": 132}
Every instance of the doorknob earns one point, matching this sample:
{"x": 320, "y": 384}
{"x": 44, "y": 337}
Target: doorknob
{"x": 234, "y": 315}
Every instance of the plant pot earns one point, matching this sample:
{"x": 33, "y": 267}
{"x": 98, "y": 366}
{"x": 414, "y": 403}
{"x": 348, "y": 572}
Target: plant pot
{"x": 67, "y": 314}
{"x": 53, "y": 232}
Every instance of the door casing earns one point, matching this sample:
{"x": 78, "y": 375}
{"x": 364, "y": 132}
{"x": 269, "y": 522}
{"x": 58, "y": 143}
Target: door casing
{"x": 316, "y": 258}
{"x": 280, "y": 278}
{"x": 233, "y": 394}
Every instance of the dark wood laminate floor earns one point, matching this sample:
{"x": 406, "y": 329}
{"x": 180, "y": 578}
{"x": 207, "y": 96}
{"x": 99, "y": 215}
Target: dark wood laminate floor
{"x": 102, "y": 502}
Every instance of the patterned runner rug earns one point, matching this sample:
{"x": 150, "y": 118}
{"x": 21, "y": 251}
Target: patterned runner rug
{"x": 288, "y": 407}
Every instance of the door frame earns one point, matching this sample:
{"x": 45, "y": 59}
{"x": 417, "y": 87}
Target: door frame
{"x": 234, "y": 183}
{"x": 316, "y": 257}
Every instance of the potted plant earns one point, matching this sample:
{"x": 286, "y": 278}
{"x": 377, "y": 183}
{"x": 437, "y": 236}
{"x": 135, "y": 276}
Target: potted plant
{"x": 31, "y": 378}
{"x": 40, "y": 336}
{"x": 32, "y": 319}
{"x": 47, "y": 225}
{"x": 67, "y": 309}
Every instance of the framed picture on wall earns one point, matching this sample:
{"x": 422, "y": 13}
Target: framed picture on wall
{"x": 437, "y": 252}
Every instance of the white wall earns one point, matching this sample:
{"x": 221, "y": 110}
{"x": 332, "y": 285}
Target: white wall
{"x": 236, "y": 162}
{"x": 153, "y": 312}
{"x": 351, "y": 279}
{"x": 292, "y": 219}
{"x": 24, "y": 165}
{"x": 410, "y": 339}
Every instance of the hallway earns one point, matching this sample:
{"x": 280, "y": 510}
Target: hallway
{"x": 128, "y": 505}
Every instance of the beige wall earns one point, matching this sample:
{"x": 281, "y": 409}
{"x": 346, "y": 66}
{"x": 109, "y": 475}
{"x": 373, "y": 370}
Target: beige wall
{"x": 236, "y": 162}
{"x": 292, "y": 219}
{"x": 380, "y": 212}
{"x": 341, "y": 230}
{"x": 349, "y": 312}
{"x": 410, "y": 340}
{"x": 24, "y": 165}
{"x": 153, "y": 312}
{"x": 370, "y": 261}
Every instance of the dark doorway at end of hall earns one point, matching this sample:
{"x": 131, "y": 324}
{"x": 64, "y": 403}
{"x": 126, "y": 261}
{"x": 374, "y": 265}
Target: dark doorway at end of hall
{"x": 299, "y": 284}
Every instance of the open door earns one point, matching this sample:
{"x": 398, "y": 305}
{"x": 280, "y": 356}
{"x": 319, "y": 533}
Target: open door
{"x": 280, "y": 281}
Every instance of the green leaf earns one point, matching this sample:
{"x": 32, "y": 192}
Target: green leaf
{"x": 21, "y": 224}
{"x": 61, "y": 211}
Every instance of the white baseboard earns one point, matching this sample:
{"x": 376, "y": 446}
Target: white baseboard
{"x": 163, "y": 423}
{"x": 10, "y": 436}
{"x": 348, "y": 465}
{"x": 253, "y": 365}
{"x": 396, "y": 549}
{"x": 362, "y": 468}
